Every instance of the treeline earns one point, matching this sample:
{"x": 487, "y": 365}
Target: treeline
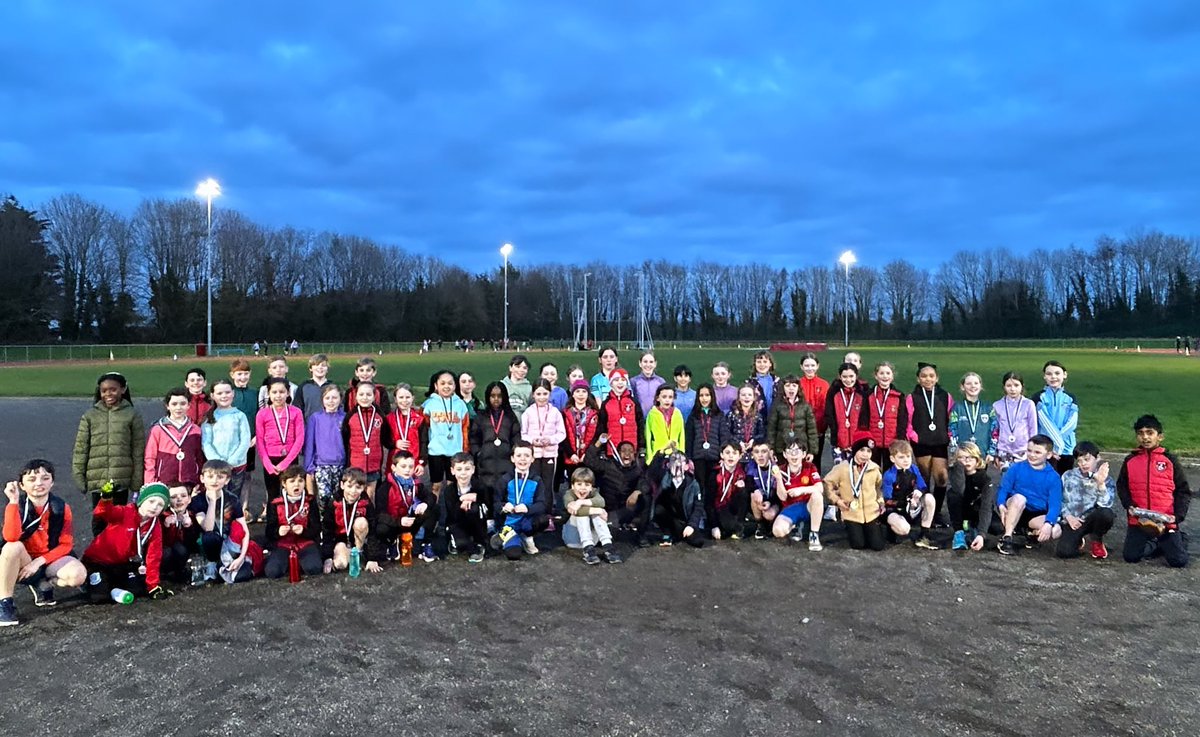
{"x": 77, "y": 271}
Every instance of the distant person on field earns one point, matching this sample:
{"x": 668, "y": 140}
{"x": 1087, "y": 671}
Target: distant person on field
{"x": 1088, "y": 494}
{"x": 1154, "y": 490}
{"x": 257, "y": 348}
{"x": 1057, "y": 415}
{"x": 110, "y": 445}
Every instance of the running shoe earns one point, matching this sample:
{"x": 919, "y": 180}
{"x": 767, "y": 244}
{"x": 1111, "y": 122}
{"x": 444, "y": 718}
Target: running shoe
{"x": 589, "y": 555}
{"x": 427, "y": 553}
{"x": 960, "y": 540}
{"x": 43, "y": 596}
{"x": 814, "y": 542}
{"x": 1005, "y": 546}
{"x": 1099, "y": 552}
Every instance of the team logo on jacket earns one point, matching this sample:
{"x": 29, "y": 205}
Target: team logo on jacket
{"x": 1160, "y": 466}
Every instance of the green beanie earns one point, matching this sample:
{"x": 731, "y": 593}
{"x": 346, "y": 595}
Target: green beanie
{"x": 149, "y": 491}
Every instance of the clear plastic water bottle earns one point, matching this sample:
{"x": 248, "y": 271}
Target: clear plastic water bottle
{"x": 121, "y": 596}
{"x": 355, "y": 562}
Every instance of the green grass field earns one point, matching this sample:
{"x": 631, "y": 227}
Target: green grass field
{"x": 1112, "y": 388}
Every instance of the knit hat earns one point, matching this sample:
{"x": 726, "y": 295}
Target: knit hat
{"x": 862, "y": 439}
{"x": 149, "y": 491}
{"x": 618, "y": 372}
{"x": 580, "y": 384}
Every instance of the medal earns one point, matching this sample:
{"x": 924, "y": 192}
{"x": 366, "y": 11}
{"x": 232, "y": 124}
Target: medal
{"x": 792, "y": 433}
{"x": 367, "y": 451}
{"x": 622, "y": 421}
{"x": 141, "y": 570}
{"x": 847, "y": 424}
{"x": 932, "y": 426}
{"x": 366, "y": 428}
{"x": 1012, "y": 438}
{"x": 705, "y": 445}
{"x": 496, "y": 442}
{"x": 166, "y": 426}
{"x": 846, "y": 403}
{"x": 881, "y": 424}
{"x": 180, "y": 456}
{"x": 929, "y": 404}
{"x": 880, "y": 407}
{"x": 854, "y": 505}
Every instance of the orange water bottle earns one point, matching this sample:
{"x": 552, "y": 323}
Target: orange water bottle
{"x": 406, "y": 549}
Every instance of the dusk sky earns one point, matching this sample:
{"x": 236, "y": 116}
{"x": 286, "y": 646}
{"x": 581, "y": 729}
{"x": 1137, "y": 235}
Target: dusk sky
{"x": 775, "y": 130}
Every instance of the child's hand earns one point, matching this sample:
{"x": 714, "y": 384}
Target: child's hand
{"x": 572, "y": 507}
{"x": 689, "y": 531}
{"x": 1101, "y": 474}
{"x": 283, "y": 530}
{"x": 12, "y": 490}
{"x": 843, "y": 505}
{"x": 30, "y": 568}
{"x": 372, "y": 567}
{"x": 520, "y": 509}
{"x": 977, "y": 543}
{"x": 632, "y": 501}
{"x": 716, "y": 533}
{"x": 418, "y": 472}
{"x": 507, "y": 508}
{"x": 1073, "y": 521}
{"x": 1045, "y": 533}
{"x": 407, "y": 521}
{"x": 328, "y": 567}
{"x": 602, "y": 514}
{"x": 402, "y": 445}
{"x": 420, "y": 508}
{"x": 298, "y": 529}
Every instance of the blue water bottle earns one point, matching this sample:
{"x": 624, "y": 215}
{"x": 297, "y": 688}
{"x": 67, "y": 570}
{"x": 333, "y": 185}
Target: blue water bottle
{"x": 355, "y": 562}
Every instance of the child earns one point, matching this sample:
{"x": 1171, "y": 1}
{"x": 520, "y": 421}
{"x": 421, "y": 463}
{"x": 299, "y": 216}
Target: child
{"x": 324, "y": 448}
{"x": 38, "y": 540}
{"x": 224, "y": 534}
{"x": 1088, "y": 494}
{"x": 620, "y": 415}
{"x": 362, "y": 433}
{"x": 519, "y": 388}
{"x": 600, "y": 386}
{"x": 726, "y": 508}
{"x": 619, "y": 473}
{"x": 110, "y": 445}
{"x": 855, "y": 488}
{"x": 679, "y": 509}
{"x": 346, "y": 524}
{"x": 449, "y": 426}
{"x": 405, "y": 507}
{"x": 1030, "y": 497}
{"x": 364, "y": 371}
{"x": 763, "y": 375}
{"x": 174, "y": 450}
{"x": 587, "y": 518}
{"x": 198, "y": 404}
{"x": 1154, "y": 491}
{"x": 644, "y": 386}
{"x": 492, "y": 436}
{"x": 523, "y": 502}
{"x": 245, "y": 398}
{"x": 887, "y": 413}
{"x": 815, "y": 389}
{"x": 180, "y": 536}
{"x": 685, "y": 396}
{"x": 225, "y": 434}
{"x": 764, "y": 501}
{"x": 844, "y": 413}
{"x": 128, "y": 552}
{"x": 745, "y": 422}
{"x": 558, "y": 396}
{"x": 277, "y": 368}
{"x": 704, "y": 435}
{"x": 801, "y": 496}
{"x": 581, "y": 419}
{"x": 1016, "y": 421}
{"x": 543, "y": 428}
{"x": 407, "y": 427}
{"x": 465, "y": 508}
{"x": 664, "y": 425}
{"x": 466, "y": 390}
{"x": 725, "y": 392}
{"x": 1057, "y": 415}
{"x": 972, "y": 500}
{"x": 928, "y": 429}
{"x": 791, "y": 419}
{"x": 293, "y": 525}
{"x": 280, "y": 434}
{"x": 906, "y": 498}
{"x": 308, "y": 396}
{"x": 971, "y": 421}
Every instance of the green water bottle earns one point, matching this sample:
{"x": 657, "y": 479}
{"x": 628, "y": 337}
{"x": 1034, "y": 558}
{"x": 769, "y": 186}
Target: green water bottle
{"x": 355, "y": 562}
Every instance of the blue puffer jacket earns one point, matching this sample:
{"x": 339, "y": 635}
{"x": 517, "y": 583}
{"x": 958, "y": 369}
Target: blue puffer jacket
{"x": 1057, "y": 418}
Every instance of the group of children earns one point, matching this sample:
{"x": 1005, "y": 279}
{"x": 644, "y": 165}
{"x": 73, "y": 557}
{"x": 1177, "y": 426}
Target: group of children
{"x": 361, "y": 476}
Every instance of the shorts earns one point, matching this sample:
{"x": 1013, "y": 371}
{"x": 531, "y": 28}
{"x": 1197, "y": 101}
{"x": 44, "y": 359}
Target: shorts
{"x": 924, "y": 450}
{"x": 1027, "y": 514}
{"x": 437, "y": 469}
{"x": 796, "y": 512}
{"x": 373, "y": 477}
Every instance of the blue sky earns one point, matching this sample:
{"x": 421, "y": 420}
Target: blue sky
{"x": 772, "y": 130}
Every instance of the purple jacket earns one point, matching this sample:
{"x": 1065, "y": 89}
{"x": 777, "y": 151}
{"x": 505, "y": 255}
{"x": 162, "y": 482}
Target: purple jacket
{"x": 323, "y": 443}
{"x": 643, "y": 390}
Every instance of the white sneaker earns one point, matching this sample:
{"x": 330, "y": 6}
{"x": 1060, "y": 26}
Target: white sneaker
{"x": 530, "y": 547}
{"x": 831, "y": 513}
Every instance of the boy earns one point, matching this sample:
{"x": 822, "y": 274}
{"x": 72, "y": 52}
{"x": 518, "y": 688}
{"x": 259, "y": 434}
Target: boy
{"x": 199, "y": 403}
{"x": 245, "y": 399}
{"x": 763, "y": 500}
{"x": 587, "y": 519}
{"x": 679, "y": 506}
{"x": 277, "y": 368}
{"x": 293, "y": 524}
{"x": 364, "y": 370}
{"x": 855, "y": 487}
{"x": 37, "y": 540}
{"x": 347, "y": 521}
{"x": 465, "y": 508}
{"x": 906, "y": 498}
{"x": 1030, "y": 497}
{"x": 224, "y": 536}
{"x": 405, "y": 506}
{"x": 308, "y": 396}
{"x": 1087, "y": 498}
{"x": 685, "y": 395}
{"x": 1155, "y": 493}
{"x": 522, "y": 500}
{"x": 801, "y": 497}
{"x": 726, "y": 506}
{"x": 181, "y": 536}
{"x": 619, "y": 475}
{"x": 128, "y": 552}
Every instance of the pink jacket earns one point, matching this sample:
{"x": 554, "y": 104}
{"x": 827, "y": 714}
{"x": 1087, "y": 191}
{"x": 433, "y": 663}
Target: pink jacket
{"x": 279, "y": 435}
{"x": 162, "y": 450}
{"x": 543, "y": 425}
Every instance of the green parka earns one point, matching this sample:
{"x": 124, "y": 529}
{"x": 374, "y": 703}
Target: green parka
{"x": 110, "y": 445}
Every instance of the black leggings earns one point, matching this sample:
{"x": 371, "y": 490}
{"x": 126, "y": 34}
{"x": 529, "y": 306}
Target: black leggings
{"x": 466, "y": 527}
{"x": 732, "y": 517}
{"x": 861, "y": 536}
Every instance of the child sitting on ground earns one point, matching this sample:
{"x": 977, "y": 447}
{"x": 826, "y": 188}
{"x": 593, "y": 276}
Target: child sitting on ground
{"x": 679, "y": 506}
{"x": 730, "y": 496}
{"x": 180, "y": 536}
{"x": 405, "y": 507}
{"x": 127, "y": 554}
{"x": 906, "y": 498}
{"x": 346, "y": 524}
{"x": 587, "y": 518}
{"x": 225, "y": 535}
{"x": 1154, "y": 490}
{"x": 1088, "y": 493}
{"x": 465, "y": 506}
{"x": 293, "y": 526}
{"x": 1030, "y": 497}
{"x": 801, "y": 496}
{"x": 855, "y": 488}
{"x": 523, "y": 501}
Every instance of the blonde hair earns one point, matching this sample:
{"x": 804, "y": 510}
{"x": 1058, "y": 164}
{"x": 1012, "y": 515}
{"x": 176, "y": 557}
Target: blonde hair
{"x": 968, "y": 375}
{"x": 972, "y": 450}
{"x": 898, "y": 447}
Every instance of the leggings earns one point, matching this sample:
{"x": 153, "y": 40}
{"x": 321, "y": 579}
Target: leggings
{"x": 861, "y": 536}
{"x": 310, "y": 561}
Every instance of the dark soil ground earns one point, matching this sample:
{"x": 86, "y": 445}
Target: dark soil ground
{"x": 740, "y": 638}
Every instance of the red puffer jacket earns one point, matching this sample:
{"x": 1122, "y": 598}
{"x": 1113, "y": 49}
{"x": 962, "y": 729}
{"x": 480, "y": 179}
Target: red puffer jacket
{"x": 1153, "y": 479}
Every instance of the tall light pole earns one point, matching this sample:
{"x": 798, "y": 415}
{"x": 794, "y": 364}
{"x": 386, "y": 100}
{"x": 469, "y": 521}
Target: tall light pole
{"x": 585, "y": 308}
{"x": 208, "y": 189}
{"x": 846, "y": 259}
{"x": 505, "y": 250}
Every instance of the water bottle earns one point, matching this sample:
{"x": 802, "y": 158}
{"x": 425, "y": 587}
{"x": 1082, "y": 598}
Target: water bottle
{"x": 121, "y": 596}
{"x": 355, "y": 562}
{"x": 406, "y": 543}
{"x": 293, "y": 566}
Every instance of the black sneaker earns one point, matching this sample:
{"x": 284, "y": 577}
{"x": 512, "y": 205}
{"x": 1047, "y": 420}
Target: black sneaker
{"x": 1031, "y": 542}
{"x": 1005, "y": 546}
{"x": 43, "y": 596}
{"x": 609, "y": 555}
{"x": 8, "y": 613}
{"x": 797, "y": 534}
{"x": 589, "y": 555}
{"x": 760, "y": 532}
{"x": 451, "y": 545}
{"x": 643, "y": 541}
{"x": 393, "y": 551}
{"x": 665, "y": 541}
{"x": 478, "y": 555}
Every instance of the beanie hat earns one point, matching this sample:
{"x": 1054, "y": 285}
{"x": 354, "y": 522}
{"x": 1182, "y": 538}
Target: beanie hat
{"x": 149, "y": 491}
{"x": 580, "y": 384}
{"x": 862, "y": 439}
{"x": 618, "y": 372}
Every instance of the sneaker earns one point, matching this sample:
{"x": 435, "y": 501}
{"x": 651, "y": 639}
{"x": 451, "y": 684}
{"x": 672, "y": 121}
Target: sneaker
{"x": 1005, "y": 546}
{"x": 393, "y": 551}
{"x": 506, "y": 534}
{"x": 8, "y": 613}
{"x": 643, "y": 541}
{"x": 451, "y": 545}
{"x": 531, "y": 547}
{"x": 427, "y": 553}
{"x": 43, "y": 596}
{"x": 831, "y": 513}
{"x": 589, "y": 555}
{"x": 759, "y": 532}
{"x": 925, "y": 543}
{"x": 478, "y": 555}
{"x": 550, "y": 526}
{"x": 1099, "y": 552}
{"x": 814, "y": 542}
{"x": 665, "y": 541}
{"x": 609, "y": 555}
{"x": 797, "y": 534}
{"x": 735, "y": 536}
{"x": 960, "y": 541}
{"x": 1031, "y": 541}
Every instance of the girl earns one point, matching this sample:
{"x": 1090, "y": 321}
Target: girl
{"x": 279, "y": 431}
{"x": 581, "y": 418}
{"x": 518, "y": 386}
{"x": 110, "y": 445}
{"x": 1057, "y": 415}
{"x": 887, "y": 414}
{"x": 277, "y": 368}
{"x": 1016, "y": 421}
{"x": 928, "y": 429}
{"x": 645, "y": 385}
{"x": 492, "y": 436}
{"x": 407, "y": 428}
{"x": 542, "y": 427}
{"x": 746, "y": 425}
{"x": 324, "y": 448}
{"x": 449, "y": 425}
{"x": 601, "y": 385}
{"x": 763, "y": 375}
{"x": 466, "y": 390}
{"x": 620, "y": 416}
{"x": 725, "y": 392}
{"x": 972, "y": 499}
{"x": 971, "y": 421}
{"x": 362, "y": 432}
{"x": 791, "y": 420}
{"x": 704, "y": 435}
{"x": 174, "y": 449}
{"x": 558, "y": 395}
{"x": 815, "y": 389}
{"x": 574, "y": 374}
{"x": 664, "y": 425}
{"x": 225, "y": 436}
{"x": 685, "y": 395}
{"x": 855, "y": 487}
{"x": 844, "y": 413}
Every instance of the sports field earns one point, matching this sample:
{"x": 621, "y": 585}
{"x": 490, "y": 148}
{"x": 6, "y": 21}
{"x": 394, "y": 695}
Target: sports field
{"x": 1112, "y": 388}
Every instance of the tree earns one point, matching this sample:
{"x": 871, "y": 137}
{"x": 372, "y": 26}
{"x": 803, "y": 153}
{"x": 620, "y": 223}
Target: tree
{"x": 29, "y": 275}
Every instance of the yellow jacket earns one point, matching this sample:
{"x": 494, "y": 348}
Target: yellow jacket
{"x": 660, "y": 433}
{"x": 870, "y": 499}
